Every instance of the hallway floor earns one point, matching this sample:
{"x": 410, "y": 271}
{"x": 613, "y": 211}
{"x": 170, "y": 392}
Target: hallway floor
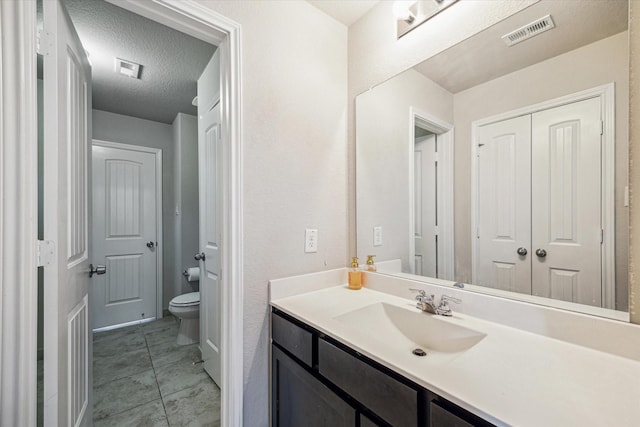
{"x": 141, "y": 377}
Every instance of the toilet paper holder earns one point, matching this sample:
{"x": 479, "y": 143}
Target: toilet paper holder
{"x": 185, "y": 273}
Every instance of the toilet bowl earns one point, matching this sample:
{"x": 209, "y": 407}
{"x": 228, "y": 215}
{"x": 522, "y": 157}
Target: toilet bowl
{"x": 187, "y": 308}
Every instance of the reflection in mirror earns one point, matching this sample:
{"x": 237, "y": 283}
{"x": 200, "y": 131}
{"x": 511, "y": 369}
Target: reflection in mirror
{"x": 506, "y": 166}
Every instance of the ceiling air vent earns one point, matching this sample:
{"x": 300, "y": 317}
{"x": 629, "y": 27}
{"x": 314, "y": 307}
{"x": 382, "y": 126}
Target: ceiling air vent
{"x": 128, "y": 68}
{"x": 533, "y": 29}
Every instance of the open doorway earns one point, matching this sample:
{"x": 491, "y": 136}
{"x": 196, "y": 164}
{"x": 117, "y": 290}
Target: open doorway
{"x": 121, "y": 122}
{"x": 431, "y": 196}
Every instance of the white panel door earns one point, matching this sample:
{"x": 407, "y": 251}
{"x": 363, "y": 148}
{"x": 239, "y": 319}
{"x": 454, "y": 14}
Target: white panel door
{"x": 425, "y": 171}
{"x": 566, "y": 199}
{"x": 67, "y": 130}
{"x": 124, "y": 235}
{"x": 210, "y": 187}
{"x": 504, "y": 205}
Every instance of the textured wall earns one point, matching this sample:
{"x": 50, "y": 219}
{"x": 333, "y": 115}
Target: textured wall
{"x": 294, "y": 85}
{"x": 634, "y": 154}
{"x": 185, "y": 137}
{"x": 130, "y": 130}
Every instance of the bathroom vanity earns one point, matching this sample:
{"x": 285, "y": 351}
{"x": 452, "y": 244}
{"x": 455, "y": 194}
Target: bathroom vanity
{"x": 319, "y": 381}
{"x": 346, "y": 358}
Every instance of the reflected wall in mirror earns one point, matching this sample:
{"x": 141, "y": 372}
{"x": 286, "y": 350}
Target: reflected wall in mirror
{"x": 506, "y": 166}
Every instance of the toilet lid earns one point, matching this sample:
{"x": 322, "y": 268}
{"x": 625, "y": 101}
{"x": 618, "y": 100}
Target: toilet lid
{"x": 192, "y": 298}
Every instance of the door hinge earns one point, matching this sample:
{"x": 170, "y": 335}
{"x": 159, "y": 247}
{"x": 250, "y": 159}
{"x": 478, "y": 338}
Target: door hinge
{"x": 436, "y": 158}
{"x": 436, "y": 230}
{"x": 601, "y": 127}
{"x": 601, "y": 236}
{"x": 44, "y": 44}
{"x": 45, "y": 252}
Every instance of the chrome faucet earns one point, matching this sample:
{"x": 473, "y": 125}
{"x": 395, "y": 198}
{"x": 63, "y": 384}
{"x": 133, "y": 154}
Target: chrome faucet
{"x": 427, "y": 303}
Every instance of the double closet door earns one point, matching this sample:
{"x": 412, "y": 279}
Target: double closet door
{"x": 539, "y": 226}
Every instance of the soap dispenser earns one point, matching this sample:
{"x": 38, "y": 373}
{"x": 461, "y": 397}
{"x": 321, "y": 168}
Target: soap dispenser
{"x": 370, "y": 265}
{"x": 355, "y": 275}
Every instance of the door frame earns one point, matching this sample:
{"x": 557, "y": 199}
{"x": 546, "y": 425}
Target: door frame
{"x": 18, "y": 219}
{"x": 157, "y": 152}
{"x": 197, "y": 20}
{"x": 445, "y": 133}
{"x": 18, "y": 216}
{"x": 606, "y": 93}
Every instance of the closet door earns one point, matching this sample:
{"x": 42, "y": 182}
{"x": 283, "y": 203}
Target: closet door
{"x": 504, "y": 206}
{"x": 566, "y": 203}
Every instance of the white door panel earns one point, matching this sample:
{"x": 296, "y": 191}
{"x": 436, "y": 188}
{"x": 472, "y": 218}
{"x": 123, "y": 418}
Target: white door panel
{"x": 504, "y": 205}
{"x": 566, "y": 199}
{"x": 425, "y": 207}
{"x": 210, "y": 187}
{"x": 67, "y": 130}
{"x": 124, "y": 224}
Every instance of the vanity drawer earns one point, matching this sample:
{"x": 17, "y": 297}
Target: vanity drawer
{"x": 293, "y": 338}
{"x": 390, "y": 399}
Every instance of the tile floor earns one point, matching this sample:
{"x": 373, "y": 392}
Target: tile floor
{"x": 142, "y": 378}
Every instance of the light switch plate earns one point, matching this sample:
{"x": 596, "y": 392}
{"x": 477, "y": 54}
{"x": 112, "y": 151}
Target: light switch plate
{"x": 311, "y": 240}
{"x": 377, "y": 236}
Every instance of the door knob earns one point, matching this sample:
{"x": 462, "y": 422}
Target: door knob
{"x": 541, "y": 253}
{"x": 522, "y": 251}
{"x": 150, "y": 245}
{"x": 199, "y": 256}
{"x": 98, "y": 269}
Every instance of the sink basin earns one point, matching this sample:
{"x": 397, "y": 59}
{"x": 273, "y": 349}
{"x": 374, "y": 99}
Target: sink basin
{"x": 411, "y": 328}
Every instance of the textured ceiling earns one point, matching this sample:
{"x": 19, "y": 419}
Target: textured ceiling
{"x": 171, "y": 61}
{"x": 345, "y": 11}
{"x": 485, "y": 56}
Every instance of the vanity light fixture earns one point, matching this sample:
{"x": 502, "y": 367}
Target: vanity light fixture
{"x": 410, "y": 14}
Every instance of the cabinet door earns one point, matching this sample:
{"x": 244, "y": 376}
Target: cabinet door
{"x": 299, "y": 399}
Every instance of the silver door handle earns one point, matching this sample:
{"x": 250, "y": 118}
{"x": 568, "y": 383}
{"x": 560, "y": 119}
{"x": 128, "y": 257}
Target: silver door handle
{"x": 522, "y": 251}
{"x": 199, "y": 256}
{"x": 98, "y": 269}
{"x": 150, "y": 245}
{"x": 541, "y": 253}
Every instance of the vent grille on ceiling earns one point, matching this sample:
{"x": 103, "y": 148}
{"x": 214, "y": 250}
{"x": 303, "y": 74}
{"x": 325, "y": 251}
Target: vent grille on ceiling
{"x": 533, "y": 29}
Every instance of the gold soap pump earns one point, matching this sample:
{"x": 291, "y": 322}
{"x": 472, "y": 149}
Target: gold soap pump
{"x": 355, "y": 275}
{"x": 370, "y": 265}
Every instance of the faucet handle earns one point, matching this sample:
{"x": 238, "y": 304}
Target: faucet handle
{"x": 443, "y": 308}
{"x": 420, "y": 291}
{"x": 446, "y": 298}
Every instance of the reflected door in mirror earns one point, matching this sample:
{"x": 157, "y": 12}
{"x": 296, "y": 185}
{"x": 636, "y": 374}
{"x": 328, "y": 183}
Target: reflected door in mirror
{"x": 539, "y": 188}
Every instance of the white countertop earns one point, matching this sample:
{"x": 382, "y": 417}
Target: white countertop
{"x": 511, "y": 377}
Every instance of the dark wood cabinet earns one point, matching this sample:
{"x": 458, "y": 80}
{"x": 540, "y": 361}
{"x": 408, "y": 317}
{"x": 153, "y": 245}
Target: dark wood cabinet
{"x": 299, "y": 399}
{"x": 317, "y": 381}
{"x": 391, "y": 400}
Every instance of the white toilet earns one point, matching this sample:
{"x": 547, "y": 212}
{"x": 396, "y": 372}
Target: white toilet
{"x": 187, "y": 308}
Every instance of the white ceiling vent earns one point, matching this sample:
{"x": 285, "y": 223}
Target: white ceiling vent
{"x": 128, "y": 68}
{"x": 533, "y": 29}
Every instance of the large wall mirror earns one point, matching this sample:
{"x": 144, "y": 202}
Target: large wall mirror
{"x": 502, "y": 162}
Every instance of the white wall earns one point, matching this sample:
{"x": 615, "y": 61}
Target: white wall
{"x": 382, "y": 152}
{"x": 294, "y": 85}
{"x": 185, "y": 158}
{"x": 130, "y": 130}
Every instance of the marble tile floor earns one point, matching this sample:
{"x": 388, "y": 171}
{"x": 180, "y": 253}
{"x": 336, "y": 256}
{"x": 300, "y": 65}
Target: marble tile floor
{"x": 142, "y": 378}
